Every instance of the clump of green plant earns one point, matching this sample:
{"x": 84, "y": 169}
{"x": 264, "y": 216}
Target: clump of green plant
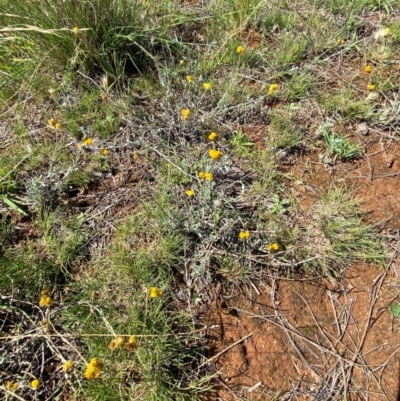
{"x": 340, "y": 146}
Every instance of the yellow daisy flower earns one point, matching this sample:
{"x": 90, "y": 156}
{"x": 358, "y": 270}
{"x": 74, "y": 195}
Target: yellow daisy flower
{"x": 185, "y": 113}
{"x": 68, "y": 365}
{"x": 207, "y": 86}
{"x": 240, "y": 49}
{"x": 104, "y": 152}
{"x": 11, "y": 386}
{"x": 368, "y": 69}
{"x": 114, "y": 344}
{"x": 189, "y": 78}
{"x": 93, "y": 369}
{"x": 88, "y": 141}
{"x": 189, "y": 192}
{"x": 212, "y": 136}
{"x": 75, "y": 30}
{"x": 35, "y": 384}
{"x": 272, "y": 89}
{"x": 131, "y": 343}
{"x": 215, "y": 154}
{"x": 371, "y": 87}
{"x": 208, "y": 176}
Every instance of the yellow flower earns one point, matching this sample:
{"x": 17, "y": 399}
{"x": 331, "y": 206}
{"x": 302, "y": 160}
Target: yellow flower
{"x": 212, "y": 136}
{"x": 104, "y": 152}
{"x": 88, "y": 141}
{"x": 93, "y": 369}
{"x": 202, "y": 174}
{"x": 368, "y": 69}
{"x": 181, "y": 62}
{"x": 68, "y": 365}
{"x": 10, "y": 386}
{"x": 215, "y": 154}
{"x": 52, "y": 122}
{"x": 371, "y": 87}
{"x": 135, "y": 154}
{"x": 45, "y": 300}
{"x": 185, "y": 113}
{"x": 244, "y": 234}
{"x": 189, "y": 78}
{"x": 273, "y": 247}
{"x": 57, "y": 126}
{"x": 35, "y": 384}
{"x": 131, "y": 344}
{"x": 387, "y": 32}
{"x": 240, "y": 49}
{"x": 340, "y": 41}
{"x": 207, "y": 86}
{"x": 114, "y": 344}
{"x": 208, "y": 176}
{"x": 189, "y": 192}
{"x": 103, "y": 96}
{"x": 75, "y": 30}
{"x": 155, "y": 292}
{"x": 272, "y": 89}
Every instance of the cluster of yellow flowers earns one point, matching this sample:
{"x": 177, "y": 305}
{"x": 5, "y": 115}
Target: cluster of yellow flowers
{"x": 272, "y": 89}
{"x": 244, "y": 234}
{"x": 206, "y": 176}
{"x": 155, "y": 292}
{"x": 93, "y": 369}
{"x": 273, "y": 247}
{"x": 45, "y": 299}
{"x": 119, "y": 341}
{"x": 12, "y": 386}
{"x": 55, "y": 124}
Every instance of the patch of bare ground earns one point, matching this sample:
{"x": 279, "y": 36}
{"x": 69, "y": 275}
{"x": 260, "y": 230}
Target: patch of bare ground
{"x": 314, "y": 339}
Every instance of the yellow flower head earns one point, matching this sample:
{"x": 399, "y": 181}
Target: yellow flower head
{"x": 103, "y": 96}
{"x": 104, "y": 152}
{"x": 35, "y": 384}
{"x": 75, "y": 30}
{"x": 387, "y": 31}
{"x": 52, "y": 122}
{"x": 208, "y": 176}
{"x": 45, "y": 300}
{"x": 181, "y": 62}
{"x": 273, "y": 247}
{"x": 212, "y": 136}
{"x": 135, "y": 154}
{"x": 215, "y": 154}
{"x": 272, "y": 89}
{"x": 189, "y": 78}
{"x": 88, "y": 141}
{"x": 93, "y": 369}
{"x": 10, "y": 386}
{"x": 57, "y": 126}
{"x": 68, "y": 365}
{"x": 244, "y": 234}
{"x": 189, "y": 192}
{"x": 207, "y": 86}
{"x": 185, "y": 113}
{"x": 131, "y": 344}
{"x": 340, "y": 41}
{"x": 371, "y": 87}
{"x": 155, "y": 292}
{"x": 202, "y": 174}
{"x": 114, "y": 344}
{"x": 240, "y": 49}
{"x": 368, "y": 69}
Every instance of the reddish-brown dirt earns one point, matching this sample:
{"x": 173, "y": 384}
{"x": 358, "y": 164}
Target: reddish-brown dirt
{"x": 311, "y": 337}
